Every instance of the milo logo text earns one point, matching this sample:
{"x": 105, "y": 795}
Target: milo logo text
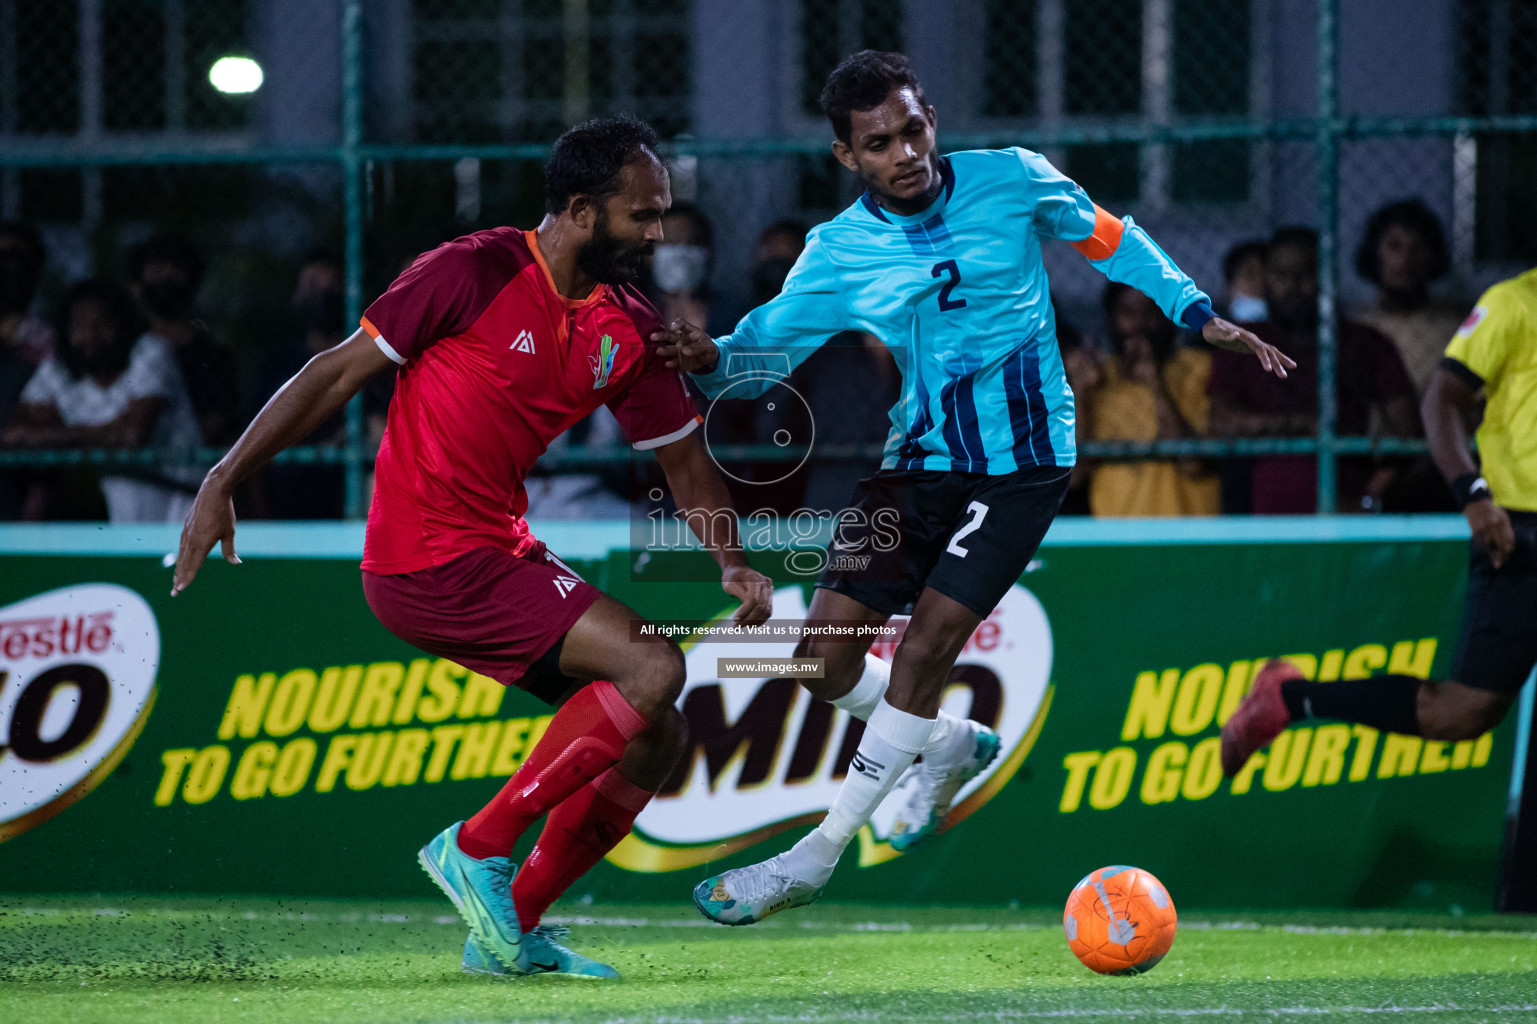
{"x": 764, "y": 756}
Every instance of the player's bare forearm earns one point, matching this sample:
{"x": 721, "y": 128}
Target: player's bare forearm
{"x": 702, "y": 497}
{"x": 314, "y": 395}
{"x": 1448, "y": 401}
{"x": 1446, "y": 410}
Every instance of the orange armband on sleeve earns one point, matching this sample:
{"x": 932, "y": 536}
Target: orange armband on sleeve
{"x": 1106, "y": 237}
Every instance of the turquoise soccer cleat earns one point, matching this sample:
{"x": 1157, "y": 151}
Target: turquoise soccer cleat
{"x": 933, "y": 790}
{"x": 480, "y": 889}
{"x": 748, "y": 895}
{"x": 478, "y": 960}
{"x": 541, "y": 954}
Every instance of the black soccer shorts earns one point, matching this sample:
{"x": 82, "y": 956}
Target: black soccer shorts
{"x": 1498, "y": 646}
{"x": 967, "y": 535}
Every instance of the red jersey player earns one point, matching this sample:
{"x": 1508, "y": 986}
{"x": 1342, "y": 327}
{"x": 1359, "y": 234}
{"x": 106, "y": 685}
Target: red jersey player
{"x": 502, "y": 340}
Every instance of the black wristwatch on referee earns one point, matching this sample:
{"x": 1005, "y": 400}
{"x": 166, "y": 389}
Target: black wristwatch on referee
{"x": 1471, "y": 487}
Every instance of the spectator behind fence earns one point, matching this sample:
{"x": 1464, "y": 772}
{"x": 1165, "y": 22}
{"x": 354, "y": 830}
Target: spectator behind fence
{"x": 292, "y": 490}
{"x": 14, "y": 372}
{"x": 774, "y": 254}
{"x": 1081, "y": 365}
{"x": 680, "y": 267}
{"x": 1369, "y": 374}
{"x": 166, "y": 272}
{"x": 678, "y": 285}
{"x": 103, "y": 389}
{"x": 1243, "y": 273}
{"x": 22, "y": 257}
{"x": 840, "y": 415}
{"x": 1152, "y": 389}
{"x": 1403, "y": 250}
{"x": 833, "y": 412}
{"x": 779, "y": 246}
{"x": 25, "y": 339}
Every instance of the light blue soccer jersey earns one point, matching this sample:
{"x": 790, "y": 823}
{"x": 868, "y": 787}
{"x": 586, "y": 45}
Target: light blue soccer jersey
{"x": 959, "y": 294}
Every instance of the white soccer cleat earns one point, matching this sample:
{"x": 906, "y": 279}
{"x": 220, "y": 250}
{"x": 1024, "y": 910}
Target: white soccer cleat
{"x": 932, "y": 790}
{"x": 748, "y": 895}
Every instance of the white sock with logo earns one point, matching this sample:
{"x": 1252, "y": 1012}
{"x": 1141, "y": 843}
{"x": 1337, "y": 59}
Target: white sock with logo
{"x": 892, "y": 741}
{"x": 949, "y": 744}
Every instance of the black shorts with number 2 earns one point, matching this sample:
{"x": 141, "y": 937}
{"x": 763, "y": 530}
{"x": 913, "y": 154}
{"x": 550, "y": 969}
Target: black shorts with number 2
{"x": 967, "y": 535}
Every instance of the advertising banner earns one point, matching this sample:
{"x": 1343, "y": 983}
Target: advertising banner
{"x": 263, "y": 733}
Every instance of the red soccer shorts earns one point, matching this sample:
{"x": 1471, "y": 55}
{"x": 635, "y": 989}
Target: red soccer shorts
{"x": 489, "y": 610}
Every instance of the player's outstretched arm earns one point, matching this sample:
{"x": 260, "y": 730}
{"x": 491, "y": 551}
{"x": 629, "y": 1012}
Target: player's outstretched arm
{"x": 702, "y": 497}
{"x": 1126, "y": 253}
{"x": 313, "y": 396}
{"x": 771, "y": 340}
{"x": 1230, "y": 336}
{"x": 686, "y": 348}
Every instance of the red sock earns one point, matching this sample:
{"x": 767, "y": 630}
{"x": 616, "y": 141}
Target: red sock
{"x": 585, "y": 738}
{"x": 576, "y": 836}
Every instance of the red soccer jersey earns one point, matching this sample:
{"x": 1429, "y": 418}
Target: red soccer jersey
{"x": 494, "y": 365}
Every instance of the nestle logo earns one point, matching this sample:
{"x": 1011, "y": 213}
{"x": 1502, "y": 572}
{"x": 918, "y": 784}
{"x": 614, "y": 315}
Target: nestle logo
{"x": 55, "y": 634}
{"x": 75, "y": 689}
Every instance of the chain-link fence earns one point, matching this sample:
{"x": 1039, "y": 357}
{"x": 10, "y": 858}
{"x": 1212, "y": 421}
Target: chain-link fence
{"x": 379, "y": 130}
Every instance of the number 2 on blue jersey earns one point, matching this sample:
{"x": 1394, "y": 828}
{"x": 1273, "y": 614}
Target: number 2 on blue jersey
{"x": 953, "y": 272}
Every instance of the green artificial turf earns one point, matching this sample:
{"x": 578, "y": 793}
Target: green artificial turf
{"x": 83, "y": 961}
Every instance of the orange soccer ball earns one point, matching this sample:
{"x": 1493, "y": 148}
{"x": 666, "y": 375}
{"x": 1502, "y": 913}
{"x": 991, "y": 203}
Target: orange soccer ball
{"x": 1119, "y": 920}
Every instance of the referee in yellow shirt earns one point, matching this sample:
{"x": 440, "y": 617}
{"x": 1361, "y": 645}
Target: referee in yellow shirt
{"x": 1495, "y": 353}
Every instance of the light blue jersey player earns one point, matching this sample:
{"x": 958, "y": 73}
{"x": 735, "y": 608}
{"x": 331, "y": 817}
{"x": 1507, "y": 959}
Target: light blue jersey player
{"x": 941, "y": 260}
{"x": 959, "y": 293}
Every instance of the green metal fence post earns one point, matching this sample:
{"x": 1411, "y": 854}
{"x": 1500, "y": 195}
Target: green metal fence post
{"x": 1328, "y": 136}
{"x": 352, "y": 141}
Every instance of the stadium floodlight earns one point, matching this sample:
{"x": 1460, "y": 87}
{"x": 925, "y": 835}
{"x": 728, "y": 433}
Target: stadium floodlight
{"x": 235, "y": 75}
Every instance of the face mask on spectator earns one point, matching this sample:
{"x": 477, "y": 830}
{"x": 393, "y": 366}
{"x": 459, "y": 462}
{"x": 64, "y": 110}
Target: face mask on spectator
{"x": 768, "y": 279}
{"x": 680, "y": 268}
{"x": 18, "y": 281}
{"x": 170, "y": 299}
{"x": 321, "y": 311}
{"x": 1248, "y": 309}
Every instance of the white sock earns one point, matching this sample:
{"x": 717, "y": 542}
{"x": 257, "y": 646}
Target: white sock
{"x": 951, "y": 741}
{"x": 868, "y": 690}
{"x": 892, "y": 741}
